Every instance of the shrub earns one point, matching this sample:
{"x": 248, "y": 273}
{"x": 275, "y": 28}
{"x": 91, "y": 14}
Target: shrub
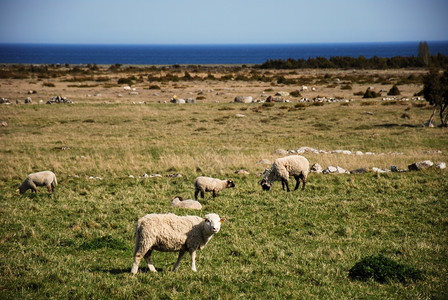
{"x": 48, "y": 84}
{"x": 154, "y": 87}
{"x": 382, "y": 269}
{"x": 371, "y": 94}
{"x": 360, "y": 93}
{"x": 394, "y": 91}
{"x": 295, "y": 93}
{"x": 125, "y": 81}
{"x": 346, "y": 87}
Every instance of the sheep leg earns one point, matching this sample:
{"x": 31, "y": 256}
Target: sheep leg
{"x": 137, "y": 258}
{"x": 179, "y": 258}
{"x": 285, "y": 182}
{"x": 149, "y": 262}
{"x": 297, "y": 177}
{"x": 202, "y": 194}
{"x": 49, "y": 189}
{"x": 303, "y": 181}
{"x": 193, "y": 260}
{"x": 283, "y": 185}
{"x": 214, "y": 193}
{"x": 196, "y": 192}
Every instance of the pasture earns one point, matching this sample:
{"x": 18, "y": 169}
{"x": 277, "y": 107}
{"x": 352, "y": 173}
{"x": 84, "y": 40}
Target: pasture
{"x": 79, "y": 242}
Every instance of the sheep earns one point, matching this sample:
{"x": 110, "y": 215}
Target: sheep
{"x": 282, "y": 168}
{"x": 172, "y": 233}
{"x": 207, "y": 184}
{"x": 189, "y": 203}
{"x": 33, "y": 180}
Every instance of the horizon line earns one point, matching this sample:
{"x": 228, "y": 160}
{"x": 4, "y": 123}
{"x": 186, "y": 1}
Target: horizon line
{"x": 218, "y": 44}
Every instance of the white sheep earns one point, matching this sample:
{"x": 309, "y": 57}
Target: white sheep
{"x": 208, "y": 184}
{"x": 188, "y": 203}
{"x": 33, "y": 180}
{"x": 171, "y": 233}
{"x": 293, "y": 165}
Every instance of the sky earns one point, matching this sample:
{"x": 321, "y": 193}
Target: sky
{"x": 221, "y": 22}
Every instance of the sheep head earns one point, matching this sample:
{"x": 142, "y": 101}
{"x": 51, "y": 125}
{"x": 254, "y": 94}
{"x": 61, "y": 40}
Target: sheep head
{"x": 230, "y": 183}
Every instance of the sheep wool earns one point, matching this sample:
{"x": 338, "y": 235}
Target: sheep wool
{"x": 172, "y": 233}
{"x": 282, "y": 168}
{"x": 33, "y": 180}
{"x": 204, "y": 184}
{"x": 188, "y": 203}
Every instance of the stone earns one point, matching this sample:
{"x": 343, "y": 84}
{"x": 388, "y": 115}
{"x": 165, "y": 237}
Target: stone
{"x": 421, "y": 165}
{"x": 440, "y": 165}
{"x": 360, "y": 171}
{"x": 244, "y": 172}
{"x": 282, "y": 94}
{"x": 243, "y": 99}
{"x": 316, "y": 168}
{"x": 281, "y": 151}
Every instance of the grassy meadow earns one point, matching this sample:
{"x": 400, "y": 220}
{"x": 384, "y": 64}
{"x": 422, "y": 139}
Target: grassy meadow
{"x": 79, "y": 242}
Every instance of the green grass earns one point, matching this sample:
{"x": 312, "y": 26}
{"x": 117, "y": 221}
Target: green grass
{"x": 78, "y": 242}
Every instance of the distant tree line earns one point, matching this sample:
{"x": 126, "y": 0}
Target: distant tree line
{"x": 361, "y": 62}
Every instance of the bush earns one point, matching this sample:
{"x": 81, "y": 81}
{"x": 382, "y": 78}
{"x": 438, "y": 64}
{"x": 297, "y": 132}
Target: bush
{"x": 295, "y": 93}
{"x": 371, "y": 94}
{"x": 394, "y": 91}
{"x": 48, "y": 84}
{"x": 125, "y": 81}
{"x": 154, "y": 87}
{"x": 382, "y": 269}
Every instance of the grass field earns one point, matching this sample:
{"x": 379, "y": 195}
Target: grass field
{"x": 78, "y": 242}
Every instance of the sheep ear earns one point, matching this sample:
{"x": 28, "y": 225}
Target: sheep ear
{"x": 204, "y": 219}
{"x": 223, "y": 220}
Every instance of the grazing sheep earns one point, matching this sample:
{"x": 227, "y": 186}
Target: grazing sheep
{"x": 171, "y": 233}
{"x": 44, "y": 178}
{"x": 293, "y": 165}
{"x": 189, "y": 203}
{"x": 207, "y": 184}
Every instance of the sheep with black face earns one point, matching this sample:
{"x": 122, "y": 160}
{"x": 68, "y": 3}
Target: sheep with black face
{"x": 282, "y": 168}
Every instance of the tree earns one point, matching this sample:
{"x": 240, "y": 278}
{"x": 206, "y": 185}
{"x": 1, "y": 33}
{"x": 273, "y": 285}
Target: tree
{"x": 423, "y": 53}
{"x": 435, "y": 90}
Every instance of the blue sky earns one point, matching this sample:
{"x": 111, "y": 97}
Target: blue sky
{"x": 221, "y": 22}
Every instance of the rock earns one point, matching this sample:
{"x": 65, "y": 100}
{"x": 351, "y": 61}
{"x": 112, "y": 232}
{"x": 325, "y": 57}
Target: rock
{"x": 131, "y": 176}
{"x": 28, "y": 100}
{"x": 440, "y": 165}
{"x": 243, "y": 99}
{"x": 360, "y": 171}
{"x": 155, "y": 175}
{"x": 358, "y": 153}
{"x": 396, "y": 169}
{"x": 281, "y": 151}
{"x": 239, "y": 116}
{"x": 190, "y": 100}
{"x": 316, "y": 168}
{"x": 421, "y": 165}
{"x": 335, "y": 170}
{"x": 3, "y": 124}
{"x": 378, "y": 170}
{"x": 282, "y": 94}
{"x": 174, "y": 175}
{"x": 264, "y": 162}
{"x": 244, "y": 172}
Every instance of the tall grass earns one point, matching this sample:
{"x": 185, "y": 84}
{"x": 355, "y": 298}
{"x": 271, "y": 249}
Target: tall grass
{"x": 78, "y": 243}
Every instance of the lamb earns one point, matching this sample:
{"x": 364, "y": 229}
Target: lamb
{"x": 33, "y": 180}
{"x": 172, "y": 233}
{"x": 188, "y": 203}
{"x": 207, "y": 184}
{"x": 293, "y": 165}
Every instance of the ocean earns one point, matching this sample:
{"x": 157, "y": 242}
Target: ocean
{"x": 201, "y": 54}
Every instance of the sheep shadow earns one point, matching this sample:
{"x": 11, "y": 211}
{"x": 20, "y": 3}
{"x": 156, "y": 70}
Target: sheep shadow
{"x": 127, "y": 270}
{"x": 391, "y": 125}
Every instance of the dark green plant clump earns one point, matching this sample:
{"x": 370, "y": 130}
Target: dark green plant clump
{"x": 371, "y": 94}
{"x": 383, "y": 269}
{"x": 394, "y": 91}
